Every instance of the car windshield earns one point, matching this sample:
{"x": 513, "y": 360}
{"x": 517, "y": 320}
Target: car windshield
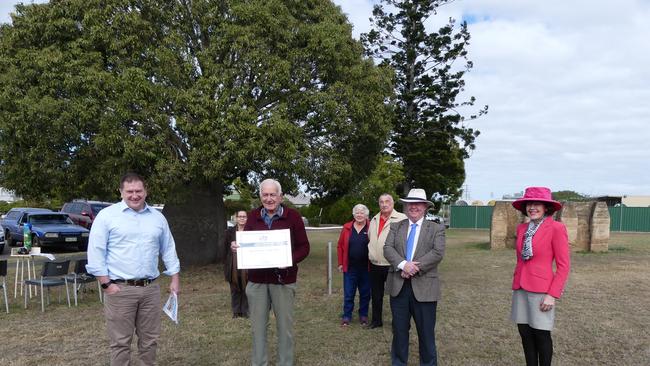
{"x": 98, "y": 207}
{"x": 49, "y": 219}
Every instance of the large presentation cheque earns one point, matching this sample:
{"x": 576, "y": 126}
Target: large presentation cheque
{"x": 264, "y": 249}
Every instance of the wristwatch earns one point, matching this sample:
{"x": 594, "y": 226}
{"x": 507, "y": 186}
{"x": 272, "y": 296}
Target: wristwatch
{"x": 105, "y": 285}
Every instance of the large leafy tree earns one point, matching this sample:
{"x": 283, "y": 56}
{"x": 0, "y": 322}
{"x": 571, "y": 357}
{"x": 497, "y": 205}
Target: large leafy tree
{"x": 430, "y": 136}
{"x": 191, "y": 93}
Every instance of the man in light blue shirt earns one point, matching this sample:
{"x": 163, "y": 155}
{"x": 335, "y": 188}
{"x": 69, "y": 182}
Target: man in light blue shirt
{"x": 125, "y": 242}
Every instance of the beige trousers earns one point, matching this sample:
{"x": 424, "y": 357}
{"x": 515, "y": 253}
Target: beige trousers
{"x": 133, "y": 310}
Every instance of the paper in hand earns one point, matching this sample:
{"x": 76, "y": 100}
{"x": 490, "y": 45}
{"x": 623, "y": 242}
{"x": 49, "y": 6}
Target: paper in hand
{"x": 171, "y": 307}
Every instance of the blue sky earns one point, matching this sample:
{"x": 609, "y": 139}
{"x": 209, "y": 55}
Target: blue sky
{"x": 567, "y": 84}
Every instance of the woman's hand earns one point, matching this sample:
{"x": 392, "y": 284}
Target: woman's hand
{"x": 341, "y": 268}
{"x": 547, "y": 303}
{"x": 233, "y": 246}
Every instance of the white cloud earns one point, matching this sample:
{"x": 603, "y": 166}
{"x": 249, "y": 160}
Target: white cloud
{"x": 567, "y": 83}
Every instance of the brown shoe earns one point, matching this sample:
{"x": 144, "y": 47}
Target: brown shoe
{"x": 364, "y": 321}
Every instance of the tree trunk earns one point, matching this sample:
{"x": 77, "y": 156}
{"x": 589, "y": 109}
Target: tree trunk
{"x": 197, "y": 220}
{"x": 406, "y": 187}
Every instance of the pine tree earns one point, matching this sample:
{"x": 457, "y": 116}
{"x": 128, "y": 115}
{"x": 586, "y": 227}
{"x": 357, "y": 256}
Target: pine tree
{"x": 430, "y": 136}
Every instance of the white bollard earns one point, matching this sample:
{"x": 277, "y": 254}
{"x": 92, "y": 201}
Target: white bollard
{"x": 329, "y": 268}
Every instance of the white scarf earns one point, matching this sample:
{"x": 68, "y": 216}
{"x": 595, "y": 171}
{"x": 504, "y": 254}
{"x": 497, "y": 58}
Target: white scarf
{"x": 527, "y": 251}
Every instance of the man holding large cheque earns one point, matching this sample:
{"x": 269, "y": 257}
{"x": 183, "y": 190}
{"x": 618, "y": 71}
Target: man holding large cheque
{"x": 272, "y": 288}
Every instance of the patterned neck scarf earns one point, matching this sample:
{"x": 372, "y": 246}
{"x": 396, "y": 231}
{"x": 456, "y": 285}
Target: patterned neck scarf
{"x": 527, "y": 251}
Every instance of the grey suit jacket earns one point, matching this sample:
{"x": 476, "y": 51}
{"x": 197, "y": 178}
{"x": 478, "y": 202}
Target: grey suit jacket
{"x": 429, "y": 252}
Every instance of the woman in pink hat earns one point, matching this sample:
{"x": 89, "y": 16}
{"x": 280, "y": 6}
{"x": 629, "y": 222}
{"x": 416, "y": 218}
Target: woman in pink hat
{"x": 535, "y": 286}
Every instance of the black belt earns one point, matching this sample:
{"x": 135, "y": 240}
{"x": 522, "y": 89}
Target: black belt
{"x": 136, "y": 282}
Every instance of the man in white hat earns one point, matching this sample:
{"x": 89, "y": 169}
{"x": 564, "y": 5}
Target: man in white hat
{"x": 414, "y": 248}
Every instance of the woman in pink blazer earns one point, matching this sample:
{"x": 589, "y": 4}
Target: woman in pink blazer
{"x": 540, "y": 242}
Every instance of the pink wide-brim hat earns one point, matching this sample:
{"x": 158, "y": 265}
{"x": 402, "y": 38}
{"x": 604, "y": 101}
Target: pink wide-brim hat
{"x": 536, "y": 194}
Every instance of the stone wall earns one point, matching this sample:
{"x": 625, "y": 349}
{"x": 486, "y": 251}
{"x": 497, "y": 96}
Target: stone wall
{"x": 569, "y": 217}
{"x": 600, "y": 228}
{"x": 503, "y": 229}
{"x": 583, "y": 237}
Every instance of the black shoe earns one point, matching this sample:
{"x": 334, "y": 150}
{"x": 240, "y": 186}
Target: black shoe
{"x": 374, "y": 325}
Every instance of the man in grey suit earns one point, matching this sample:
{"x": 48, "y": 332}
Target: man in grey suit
{"x": 414, "y": 248}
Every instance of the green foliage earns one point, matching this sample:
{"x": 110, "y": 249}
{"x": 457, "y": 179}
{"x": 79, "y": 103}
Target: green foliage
{"x": 340, "y": 211}
{"x": 570, "y": 196}
{"x": 385, "y": 178}
{"x": 54, "y": 204}
{"x": 430, "y": 137}
{"x": 5, "y": 206}
{"x": 246, "y": 201}
{"x": 202, "y": 91}
{"x": 312, "y": 213}
{"x": 233, "y": 207}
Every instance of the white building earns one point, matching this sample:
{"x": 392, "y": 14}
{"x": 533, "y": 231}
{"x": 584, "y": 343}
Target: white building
{"x": 8, "y": 196}
{"x": 300, "y": 200}
{"x": 636, "y": 201}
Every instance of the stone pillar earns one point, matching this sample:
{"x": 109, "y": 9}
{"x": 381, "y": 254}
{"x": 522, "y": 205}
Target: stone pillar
{"x": 600, "y": 228}
{"x": 569, "y": 218}
{"x": 503, "y": 228}
{"x": 583, "y": 232}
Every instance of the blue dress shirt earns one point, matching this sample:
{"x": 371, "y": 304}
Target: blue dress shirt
{"x": 125, "y": 244}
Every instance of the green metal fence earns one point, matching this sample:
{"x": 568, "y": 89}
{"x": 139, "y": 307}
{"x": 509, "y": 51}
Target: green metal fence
{"x": 470, "y": 217}
{"x": 631, "y": 219}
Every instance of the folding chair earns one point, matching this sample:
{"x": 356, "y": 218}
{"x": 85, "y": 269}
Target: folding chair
{"x": 53, "y": 274}
{"x": 80, "y": 277}
{"x": 3, "y": 285}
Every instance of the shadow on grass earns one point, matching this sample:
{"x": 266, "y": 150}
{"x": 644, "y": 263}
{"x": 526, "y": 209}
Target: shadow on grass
{"x": 611, "y": 249}
{"x": 479, "y": 246}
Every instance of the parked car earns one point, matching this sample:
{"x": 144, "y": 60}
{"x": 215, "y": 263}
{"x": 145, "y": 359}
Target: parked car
{"x": 54, "y": 229}
{"x": 437, "y": 219}
{"x": 11, "y": 223}
{"x": 83, "y": 212}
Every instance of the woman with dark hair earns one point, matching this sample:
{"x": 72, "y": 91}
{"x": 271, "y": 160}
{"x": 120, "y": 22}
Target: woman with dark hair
{"x": 540, "y": 242}
{"x": 237, "y": 278}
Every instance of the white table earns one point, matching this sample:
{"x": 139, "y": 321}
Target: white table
{"x": 21, "y": 259}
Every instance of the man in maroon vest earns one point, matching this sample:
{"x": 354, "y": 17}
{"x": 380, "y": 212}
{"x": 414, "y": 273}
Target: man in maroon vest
{"x": 274, "y": 288}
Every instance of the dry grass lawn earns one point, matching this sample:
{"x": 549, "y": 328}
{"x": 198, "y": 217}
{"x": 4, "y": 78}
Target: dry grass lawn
{"x": 603, "y": 318}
